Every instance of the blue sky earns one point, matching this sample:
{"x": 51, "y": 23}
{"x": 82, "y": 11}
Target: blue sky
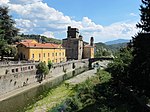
{"x": 103, "y": 19}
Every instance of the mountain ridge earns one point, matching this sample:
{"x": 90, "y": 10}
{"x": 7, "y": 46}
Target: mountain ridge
{"x": 117, "y": 41}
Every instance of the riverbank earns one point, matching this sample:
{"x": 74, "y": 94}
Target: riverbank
{"x": 59, "y": 94}
{"x": 22, "y": 97}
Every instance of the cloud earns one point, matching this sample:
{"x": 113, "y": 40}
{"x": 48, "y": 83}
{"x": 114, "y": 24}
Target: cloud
{"x": 133, "y": 14}
{"x": 3, "y": 2}
{"x": 48, "y": 34}
{"x": 36, "y": 17}
{"x": 24, "y": 1}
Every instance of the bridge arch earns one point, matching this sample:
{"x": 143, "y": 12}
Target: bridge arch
{"x": 91, "y": 60}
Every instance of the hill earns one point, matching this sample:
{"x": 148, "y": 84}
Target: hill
{"x": 113, "y": 47}
{"x": 118, "y": 41}
{"x": 41, "y": 38}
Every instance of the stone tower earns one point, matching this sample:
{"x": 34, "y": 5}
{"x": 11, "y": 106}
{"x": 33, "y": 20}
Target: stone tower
{"x": 73, "y": 44}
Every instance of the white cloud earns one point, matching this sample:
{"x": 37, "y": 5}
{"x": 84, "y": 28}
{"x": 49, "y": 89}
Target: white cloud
{"x": 37, "y": 17}
{"x": 3, "y": 2}
{"x": 48, "y": 34}
{"x": 24, "y": 1}
{"x": 133, "y": 14}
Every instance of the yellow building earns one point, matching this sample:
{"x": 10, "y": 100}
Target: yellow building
{"x": 88, "y": 51}
{"x": 32, "y": 50}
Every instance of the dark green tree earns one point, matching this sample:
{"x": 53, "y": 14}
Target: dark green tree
{"x": 145, "y": 16}
{"x": 7, "y": 28}
{"x": 140, "y": 66}
{"x": 120, "y": 66}
{"x": 42, "y": 70}
{"x": 50, "y": 64}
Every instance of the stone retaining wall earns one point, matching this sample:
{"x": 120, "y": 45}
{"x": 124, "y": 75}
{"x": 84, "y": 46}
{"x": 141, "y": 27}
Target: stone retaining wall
{"x": 16, "y": 74}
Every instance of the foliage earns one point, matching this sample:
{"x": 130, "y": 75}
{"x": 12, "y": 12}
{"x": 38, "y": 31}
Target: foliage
{"x": 110, "y": 48}
{"x": 102, "y": 52}
{"x": 40, "y": 38}
{"x": 42, "y": 68}
{"x": 7, "y": 50}
{"x": 145, "y": 16}
{"x": 84, "y": 93}
{"x": 50, "y": 64}
{"x": 120, "y": 65}
{"x": 140, "y": 66}
{"x": 7, "y": 28}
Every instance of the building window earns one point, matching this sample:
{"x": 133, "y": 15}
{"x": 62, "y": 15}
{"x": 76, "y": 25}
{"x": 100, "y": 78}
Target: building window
{"x": 52, "y": 54}
{"x": 63, "y": 53}
{"x": 56, "y": 60}
{"x": 33, "y": 56}
{"x": 56, "y": 54}
{"x": 16, "y": 69}
{"x": 44, "y": 54}
{"x": 48, "y": 54}
{"x": 12, "y": 70}
{"x": 31, "y": 67}
{"x": 59, "y": 54}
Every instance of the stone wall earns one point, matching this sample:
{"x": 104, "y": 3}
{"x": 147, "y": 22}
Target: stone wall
{"x": 16, "y": 103}
{"x": 16, "y": 75}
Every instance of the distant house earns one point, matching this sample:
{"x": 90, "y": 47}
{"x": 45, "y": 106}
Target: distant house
{"x": 32, "y": 50}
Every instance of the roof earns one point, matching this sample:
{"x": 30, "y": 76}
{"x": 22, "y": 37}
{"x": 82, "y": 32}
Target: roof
{"x": 30, "y": 44}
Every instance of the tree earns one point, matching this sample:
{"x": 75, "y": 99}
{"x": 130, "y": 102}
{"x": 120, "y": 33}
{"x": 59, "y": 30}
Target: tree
{"x": 120, "y": 66}
{"x": 42, "y": 70}
{"x": 50, "y": 64}
{"x": 7, "y": 28}
{"x": 140, "y": 66}
{"x": 145, "y": 16}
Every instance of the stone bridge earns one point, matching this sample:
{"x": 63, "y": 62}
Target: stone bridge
{"x": 92, "y": 60}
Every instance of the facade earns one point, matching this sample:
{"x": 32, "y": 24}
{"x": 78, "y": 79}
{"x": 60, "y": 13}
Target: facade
{"x": 88, "y": 50}
{"x": 73, "y": 44}
{"x": 75, "y": 48}
{"x": 32, "y": 50}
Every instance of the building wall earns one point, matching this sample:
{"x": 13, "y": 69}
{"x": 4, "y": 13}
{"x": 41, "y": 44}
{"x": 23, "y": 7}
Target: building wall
{"x": 74, "y": 48}
{"x": 55, "y": 55}
{"x": 13, "y": 76}
{"x": 88, "y": 52}
{"x": 23, "y": 52}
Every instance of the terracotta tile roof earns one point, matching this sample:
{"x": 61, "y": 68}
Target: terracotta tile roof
{"x": 39, "y": 45}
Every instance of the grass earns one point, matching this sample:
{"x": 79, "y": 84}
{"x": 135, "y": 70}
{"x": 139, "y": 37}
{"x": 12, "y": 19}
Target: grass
{"x": 54, "y": 97}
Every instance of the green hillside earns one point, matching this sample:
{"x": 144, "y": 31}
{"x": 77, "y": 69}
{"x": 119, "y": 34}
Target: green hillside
{"x": 40, "y": 38}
